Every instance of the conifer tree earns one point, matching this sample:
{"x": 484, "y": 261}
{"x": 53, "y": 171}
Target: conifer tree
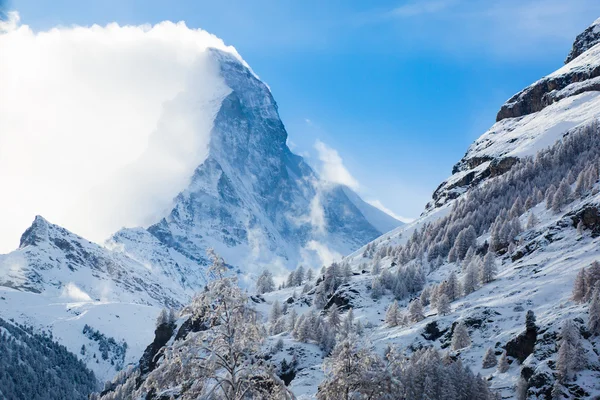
{"x": 489, "y": 359}
{"x": 415, "y": 311}
{"x": 594, "y": 312}
{"x": 443, "y": 305}
{"x": 264, "y": 283}
{"x": 460, "y": 337}
{"x": 579, "y": 286}
{"x": 488, "y": 268}
{"x": 392, "y": 316}
{"x": 503, "y": 365}
{"x": 333, "y": 317}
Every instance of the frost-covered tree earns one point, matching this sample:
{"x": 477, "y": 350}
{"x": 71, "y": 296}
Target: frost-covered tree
{"x": 592, "y": 278}
{"x": 594, "y": 312}
{"x": 292, "y": 319}
{"x": 376, "y": 269}
{"x": 377, "y": 288}
{"x": 452, "y": 287}
{"x": 488, "y": 268}
{"x": 471, "y": 279}
{"x": 299, "y": 276}
{"x": 561, "y": 196}
{"x": 333, "y": 317}
{"x": 392, "y": 315}
{"x": 223, "y": 360}
{"x": 532, "y": 221}
{"x": 264, "y": 283}
{"x": 443, "y": 305}
{"x": 310, "y": 275}
{"x": 415, "y": 311}
{"x": 425, "y": 297}
{"x": 460, "y": 337}
{"x": 503, "y": 365}
{"x": 489, "y": 359}
{"x": 579, "y": 287}
{"x": 571, "y": 356}
{"x": 521, "y": 389}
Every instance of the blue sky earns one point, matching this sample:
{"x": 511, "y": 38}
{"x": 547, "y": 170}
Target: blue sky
{"x": 399, "y": 89}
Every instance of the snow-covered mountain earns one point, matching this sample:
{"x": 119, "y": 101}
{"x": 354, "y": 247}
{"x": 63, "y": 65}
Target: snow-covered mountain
{"x": 253, "y": 200}
{"x": 500, "y": 272}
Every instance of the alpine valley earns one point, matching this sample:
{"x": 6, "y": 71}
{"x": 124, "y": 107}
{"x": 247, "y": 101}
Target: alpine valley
{"x": 493, "y": 292}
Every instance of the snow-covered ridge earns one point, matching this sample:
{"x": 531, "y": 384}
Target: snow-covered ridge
{"x": 533, "y": 119}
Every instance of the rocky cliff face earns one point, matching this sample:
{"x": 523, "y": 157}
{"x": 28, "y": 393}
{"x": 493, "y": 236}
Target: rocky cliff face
{"x": 255, "y": 201}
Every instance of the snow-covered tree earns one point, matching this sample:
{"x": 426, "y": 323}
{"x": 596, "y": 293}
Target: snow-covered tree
{"x": 571, "y": 356}
{"x": 376, "y": 288}
{"x": 333, "y": 317}
{"x": 443, "y": 305}
{"x": 392, "y": 315}
{"x": 561, "y": 196}
{"x": 471, "y": 279}
{"x": 376, "y": 269}
{"x": 310, "y": 275}
{"x": 488, "y": 268}
{"x": 460, "y": 337}
{"x": 452, "y": 287}
{"x": 489, "y": 359}
{"x": 594, "y": 312}
{"x": 264, "y": 283}
{"x": 415, "y": 311}
{"x": 503, "y": 365}
{"x": 221, "y": 361}
{"x": 299, "y": 276}
{"x": 579, "y": 287}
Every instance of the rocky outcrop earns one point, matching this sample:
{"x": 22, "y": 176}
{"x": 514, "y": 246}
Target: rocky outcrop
{"x": 548, "y": 91}
{"x": 589, "y": 216}
{"x": 585, "y": 41}
{"x": 522, "y": 346}
{"x": 162, "y": 335}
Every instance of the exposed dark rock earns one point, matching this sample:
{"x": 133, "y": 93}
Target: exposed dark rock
{"x": 522, "y": 346}
{"x": 500, "y": 166}
{"x": 432, "y": 331}
{"x": 342, "y": 298}
{"x": 590, "y": 216}
{"x": 546, "y": 92}
{"x": 162, "y": 334}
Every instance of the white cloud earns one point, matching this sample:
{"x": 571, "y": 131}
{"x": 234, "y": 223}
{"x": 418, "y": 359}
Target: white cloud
{"x": 100, "y": 127}
{"x": 71, "y": 291}
{"x": 332, "y": 167}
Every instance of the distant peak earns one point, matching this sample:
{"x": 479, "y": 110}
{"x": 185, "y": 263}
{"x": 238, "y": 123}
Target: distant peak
{"x": 36, "y": 233}
{"x": 585, "y": 41}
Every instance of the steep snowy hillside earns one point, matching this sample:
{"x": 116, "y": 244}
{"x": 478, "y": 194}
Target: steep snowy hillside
{"x": 255, "y": 201}
{"x": 496, "y": 286}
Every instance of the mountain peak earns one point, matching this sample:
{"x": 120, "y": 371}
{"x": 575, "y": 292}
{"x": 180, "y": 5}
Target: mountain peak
{"x": 37, "y": 232}
{"x": 585, "y": 41}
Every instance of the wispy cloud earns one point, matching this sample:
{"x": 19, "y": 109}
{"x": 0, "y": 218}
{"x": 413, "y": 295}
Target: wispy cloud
{"x": 332, "y": 167}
